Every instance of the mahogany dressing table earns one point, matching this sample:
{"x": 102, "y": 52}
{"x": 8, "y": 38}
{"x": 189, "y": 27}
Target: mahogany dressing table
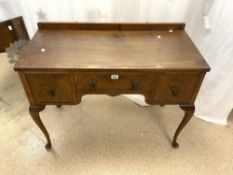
{"x": 65, "y": 61}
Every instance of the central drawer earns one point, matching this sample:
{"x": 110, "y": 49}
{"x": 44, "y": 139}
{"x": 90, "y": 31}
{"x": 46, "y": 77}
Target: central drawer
{"x": 113, "y": 81}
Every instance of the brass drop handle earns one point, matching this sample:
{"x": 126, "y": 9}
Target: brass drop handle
{"x": 135, "y": 84}
{"x": 174, "y": 91}
{"x": 92, "y": 84}
{"x": 51, "y": 91}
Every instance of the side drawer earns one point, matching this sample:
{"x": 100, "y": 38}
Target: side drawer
{"x": 113, "y": 81}
{"x": 175, "y": 88}
{"x": 51, "y": 87}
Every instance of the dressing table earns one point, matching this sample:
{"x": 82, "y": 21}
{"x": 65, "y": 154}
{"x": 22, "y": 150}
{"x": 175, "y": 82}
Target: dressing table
{"x": 65, "y": 61}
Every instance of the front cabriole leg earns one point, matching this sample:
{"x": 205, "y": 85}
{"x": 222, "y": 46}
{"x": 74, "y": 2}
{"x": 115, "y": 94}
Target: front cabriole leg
{"x": 189, "y": 110}
{"x": 34, "y": 111}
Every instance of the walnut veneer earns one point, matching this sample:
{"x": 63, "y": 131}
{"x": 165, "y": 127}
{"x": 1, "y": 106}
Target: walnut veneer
{"x": 65, "y": 61}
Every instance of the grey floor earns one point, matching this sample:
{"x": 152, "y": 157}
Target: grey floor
{"x": 106, "y": 135}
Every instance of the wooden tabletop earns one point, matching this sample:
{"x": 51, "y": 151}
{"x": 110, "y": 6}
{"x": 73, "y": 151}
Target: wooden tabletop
{"x": 59, "y": 47}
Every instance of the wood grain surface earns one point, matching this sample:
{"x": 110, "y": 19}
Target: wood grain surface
{"x": 111, "y": 49}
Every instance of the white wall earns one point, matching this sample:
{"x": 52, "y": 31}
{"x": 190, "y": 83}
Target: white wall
{"x": 215, "y": 99}
{"x": 94, "y": 10}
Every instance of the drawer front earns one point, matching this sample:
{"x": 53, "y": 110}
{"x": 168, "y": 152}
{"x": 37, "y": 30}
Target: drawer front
{"x": 113, "y": 81}
{"x": 174, "y": 88}
{"x": 51, "y": 87}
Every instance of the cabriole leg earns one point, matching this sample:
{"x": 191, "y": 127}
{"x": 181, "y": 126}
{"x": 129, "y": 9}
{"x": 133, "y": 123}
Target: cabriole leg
{"x": 189, "y": 110}
{"x": 34, "y": 111}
